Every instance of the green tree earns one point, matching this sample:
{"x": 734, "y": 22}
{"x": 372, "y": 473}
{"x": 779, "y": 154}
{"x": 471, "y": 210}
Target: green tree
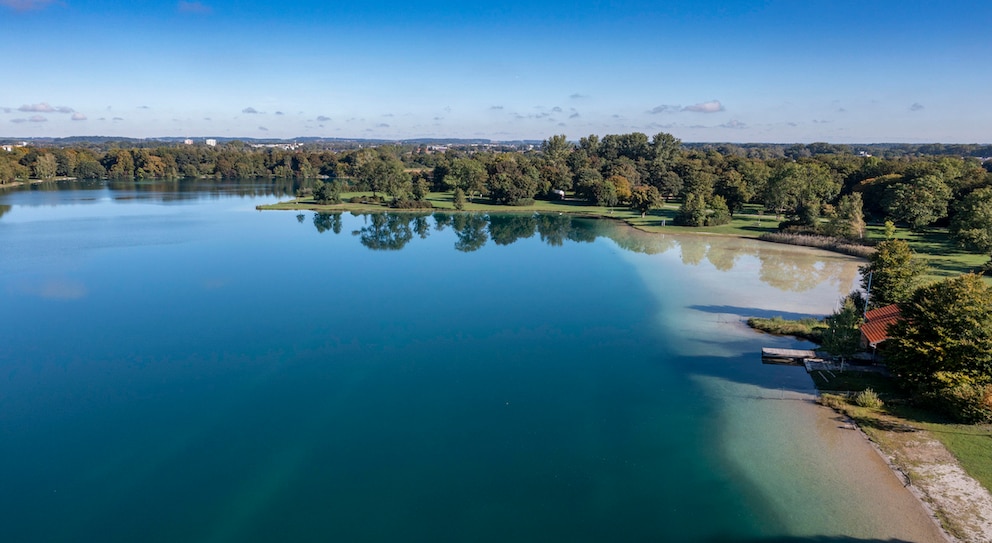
{"x": 459, "y": 199}
{"x": 554, "y": 171}
{"x": 644, "y": 198}
{"x": 894, "y": 273}
{"x": 843, "y": 334}
{"x": 512, "y": 179}
{"x": 692, "y": 212}
{"x": 327, "y": 193}
{"x": 45, "y": 166}
{"x": 945, "y": 327}
{"x": 734, "y": 189}
{"x": 848, "y": 220}
{"x": 972, "y": 223}
{"x": 719, "y": 212}
{"x": 918, "y": 203}
{"x": 799, "y": 190}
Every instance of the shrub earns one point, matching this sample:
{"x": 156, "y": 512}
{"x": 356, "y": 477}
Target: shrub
{"x": 833, "y": 401}
{"x": 411, "y": 204}
{"x": 522, "y": 202}
{"x": 365, "y": 200}
{"x": 962, "y": 398}
{"x": 868, "y": 398}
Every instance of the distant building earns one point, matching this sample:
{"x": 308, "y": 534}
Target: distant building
{"x": 875, "y": 329}
{"x": 212, "y": 142}
{"x": 188, "y": 141}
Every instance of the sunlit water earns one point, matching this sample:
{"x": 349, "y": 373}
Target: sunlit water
{"x": 177, "y": 366}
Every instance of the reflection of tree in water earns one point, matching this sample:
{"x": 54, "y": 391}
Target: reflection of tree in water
{"x": 471, "y": 232}
{"x": 4, "y": 209}
{"x": 422, "y": 226}
{"x": 693, "y": 251}
{"x": 326, "y": 221}
{"x": 554, "y": 229}
{"x": 385, "y": 232}
{"x": 785, "y": 268}
{"x": 442, "y": 220}
{"x": 506, "y": 229}
{"x": 300, "y": 217}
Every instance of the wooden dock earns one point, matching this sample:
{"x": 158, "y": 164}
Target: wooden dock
{"x": 795, "y": 357}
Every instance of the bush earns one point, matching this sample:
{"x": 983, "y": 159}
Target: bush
{"x": 411, "y": 204}
{"x": 522, "y": 202}
{"x": 365, "y": 200}
{"x": 868, "y": 398}
{"x": 962, "y": 398}
{"x": 833, "y": 401}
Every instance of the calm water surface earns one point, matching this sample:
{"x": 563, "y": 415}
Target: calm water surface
{"x": 177, "y": 366}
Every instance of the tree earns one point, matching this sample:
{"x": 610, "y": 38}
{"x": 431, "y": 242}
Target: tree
{"x": 45, "y": 166}
{"x": 799, "y": 189}
{"x": 944, "y": 336}
{"x": 327, "y": 193}
{"x": 644, "y": 198}
{"x": 972, "y": 223}
{"x": 554, "y": 171}
{"x": 692, "y": 212}
{"x": 459, "y": 199}
{"x": 843, "y": 334}
{"x": 848, "y": 220}
{"x": 918, "y": 203}
{"x": 720, "y": 213}
{"x": 512, "y": 180}
{"x": 893, "y": 271}
{"x": 732, "y": 186}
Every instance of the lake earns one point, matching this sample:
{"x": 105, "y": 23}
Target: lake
{"x": 177, "y": 366}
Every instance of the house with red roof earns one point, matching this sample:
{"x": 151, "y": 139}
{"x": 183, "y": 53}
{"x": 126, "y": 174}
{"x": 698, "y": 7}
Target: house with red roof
{"x": 875, "y": 329}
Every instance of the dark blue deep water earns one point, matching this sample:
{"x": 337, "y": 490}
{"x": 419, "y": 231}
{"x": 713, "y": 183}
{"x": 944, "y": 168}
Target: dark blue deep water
{"x": 177, "y": 366}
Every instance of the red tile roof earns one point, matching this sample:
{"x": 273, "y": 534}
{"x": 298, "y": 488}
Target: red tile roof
{"x": 876, "y": 327}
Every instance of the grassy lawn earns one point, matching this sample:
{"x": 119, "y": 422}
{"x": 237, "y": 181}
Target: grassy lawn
{"x": 935, "y": 247}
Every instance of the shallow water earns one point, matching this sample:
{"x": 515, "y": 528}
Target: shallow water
{"x": 179, "y": 366}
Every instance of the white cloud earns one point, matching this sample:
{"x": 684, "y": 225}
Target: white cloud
{"x": 38, "y": 108}
{"x": 713, "y": 106}
{"x": 250, "y": 111}
{"x": 78, "y": 117}
{"x": 733, "y": 123}
{"x": 323, "y": 119}
{"x": 37, "y": 119}
{"x": 916, "y": 106}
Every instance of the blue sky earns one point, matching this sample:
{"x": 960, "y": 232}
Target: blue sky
{"x": 748, "y": 71}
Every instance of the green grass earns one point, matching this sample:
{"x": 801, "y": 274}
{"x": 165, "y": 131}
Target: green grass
{"x": 808, "y": 328}
{"x": 971, "y": 445}
{"x": 937, "y": 249}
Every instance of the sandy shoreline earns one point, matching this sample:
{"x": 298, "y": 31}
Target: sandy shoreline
{"x": 956, "y": 502}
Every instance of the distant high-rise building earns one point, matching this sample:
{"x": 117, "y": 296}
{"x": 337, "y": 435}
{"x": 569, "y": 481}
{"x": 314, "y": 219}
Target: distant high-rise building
{"x": 188, "y": 141}
{"x": 212, "y": 142}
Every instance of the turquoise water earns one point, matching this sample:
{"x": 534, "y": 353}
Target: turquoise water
{"x": 180, "y": 367}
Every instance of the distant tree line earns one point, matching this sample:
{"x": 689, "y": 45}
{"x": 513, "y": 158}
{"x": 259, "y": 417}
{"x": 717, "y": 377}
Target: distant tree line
{"x": 816, "y": 188}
